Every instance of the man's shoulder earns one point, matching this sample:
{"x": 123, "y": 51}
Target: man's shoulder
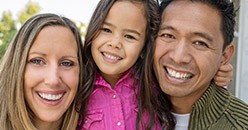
{"x": 233, "y": 100}
{"x": 233, "y": 112}
{"x": 237, "y": 112}
{"x": 234, "y": 104}
{"x": 219, "y": 109}
{"x": 238, "y": 106}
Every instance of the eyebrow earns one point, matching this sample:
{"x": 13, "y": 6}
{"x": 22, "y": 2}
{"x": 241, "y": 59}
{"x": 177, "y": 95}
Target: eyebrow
{"x": 43, "y": 54}
{"x": 38, "y": 53}
{"x": 132, "y": 31}
{"x": 204, "y": 35}
{"x": 76, "y": 57}
{"x": 126, "y": 30}
{"x": 201, "y": 34}
{"x": 163, "y": 27}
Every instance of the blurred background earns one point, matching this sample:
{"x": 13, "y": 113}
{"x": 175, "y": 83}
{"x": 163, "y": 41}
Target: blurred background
{"x": 13, "y": 13}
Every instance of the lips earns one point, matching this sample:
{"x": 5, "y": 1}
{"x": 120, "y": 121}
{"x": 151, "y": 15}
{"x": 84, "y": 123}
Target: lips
{"x": 178, "y": 75}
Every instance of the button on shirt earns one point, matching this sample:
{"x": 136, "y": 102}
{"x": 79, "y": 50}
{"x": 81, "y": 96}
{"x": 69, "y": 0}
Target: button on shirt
{"x": 112, "y": 108}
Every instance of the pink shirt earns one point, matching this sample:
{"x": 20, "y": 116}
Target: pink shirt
{"x": 113, "y": 109}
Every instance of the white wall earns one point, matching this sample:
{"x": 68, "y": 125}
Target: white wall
{"x": 242, "y": 53}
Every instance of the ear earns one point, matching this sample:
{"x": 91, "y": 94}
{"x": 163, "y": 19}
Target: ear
{"x": 227, "y": 54}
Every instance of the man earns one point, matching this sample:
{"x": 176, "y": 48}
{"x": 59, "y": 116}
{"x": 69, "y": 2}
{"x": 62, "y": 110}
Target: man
{"x": 194, "y": 39}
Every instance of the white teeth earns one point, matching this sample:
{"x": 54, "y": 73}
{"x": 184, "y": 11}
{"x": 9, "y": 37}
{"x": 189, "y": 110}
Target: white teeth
{"x": 50, "y": 96}
{"x": 178, "y": 75}
{"x": 111, "y": 57}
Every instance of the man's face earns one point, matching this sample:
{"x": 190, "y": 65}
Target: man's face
{"x": 188, "y": 49}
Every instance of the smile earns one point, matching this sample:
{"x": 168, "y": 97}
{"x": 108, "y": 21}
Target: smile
{"x": 178, "y": 75}
{"x": 111, "y": 57}
{"x": 50, "y": 97}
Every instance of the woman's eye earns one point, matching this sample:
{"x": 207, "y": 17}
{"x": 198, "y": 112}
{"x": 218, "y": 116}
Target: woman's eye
{"x": 36, "y": 61}
{"x": 67, "y": 63}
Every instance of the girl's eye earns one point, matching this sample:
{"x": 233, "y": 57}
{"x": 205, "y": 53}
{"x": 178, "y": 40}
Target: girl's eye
{"x": 67, "y": 63}
{"x": 129, "y": 37}
{"x": 36, "y": 61}
{"x": 106, "y": 30}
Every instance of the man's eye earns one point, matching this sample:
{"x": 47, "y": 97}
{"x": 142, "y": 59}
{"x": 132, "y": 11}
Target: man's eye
{"x": 201, "y": 43}
{"x": 36, "y": 61}
{"x": 166, "y": 35}
{"x": 67, "y": 63}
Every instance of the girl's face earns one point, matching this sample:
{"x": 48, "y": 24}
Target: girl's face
{"x": 51, "y": 75}
{"x": 120, "y": 40}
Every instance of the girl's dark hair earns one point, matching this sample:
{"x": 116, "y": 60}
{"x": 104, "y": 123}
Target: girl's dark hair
{"x": 147, "y": 100}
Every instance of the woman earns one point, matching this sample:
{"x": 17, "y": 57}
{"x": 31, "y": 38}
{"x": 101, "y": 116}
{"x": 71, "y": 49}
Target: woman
{"x": 40, "y": 75}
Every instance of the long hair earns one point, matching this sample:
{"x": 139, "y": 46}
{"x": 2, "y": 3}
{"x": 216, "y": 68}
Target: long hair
{"x": 15, "y": 113}
{"x": 142, "y": 68}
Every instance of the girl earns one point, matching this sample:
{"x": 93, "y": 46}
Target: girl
{"x": 119, "y": 50}
{"x": 40, "y": 74}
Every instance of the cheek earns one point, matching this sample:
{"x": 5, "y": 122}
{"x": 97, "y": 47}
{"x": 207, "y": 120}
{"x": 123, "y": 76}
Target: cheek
{"x": 133, "y": 54}
{"x": 133, "y": 50}
{"x": 71, "y": 78}
{"x": 159, "y": 55}
{"x": 94, "y": 49}
{"x": 93, "y": 46}
{"x": 98, "y": 42}
{"x": 208, "y": 64}
{"x": 32, "y": 77}
{"x": 161, "y": 48}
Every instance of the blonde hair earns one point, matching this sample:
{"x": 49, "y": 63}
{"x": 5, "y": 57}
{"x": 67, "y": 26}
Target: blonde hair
{"x": 15, "y": 113}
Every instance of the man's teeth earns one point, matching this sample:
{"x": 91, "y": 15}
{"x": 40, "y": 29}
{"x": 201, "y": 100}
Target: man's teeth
{"x": 50, "y": 96}
{"x": 178, "y": 75}
{"x": 111, "y": 57}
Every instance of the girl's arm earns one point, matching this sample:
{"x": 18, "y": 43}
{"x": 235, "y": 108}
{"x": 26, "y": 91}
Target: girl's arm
{"x": 224, "y": 75}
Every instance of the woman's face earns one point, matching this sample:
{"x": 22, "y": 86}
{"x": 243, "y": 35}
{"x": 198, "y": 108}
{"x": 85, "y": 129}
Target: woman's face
{"x": 52, "y": 74}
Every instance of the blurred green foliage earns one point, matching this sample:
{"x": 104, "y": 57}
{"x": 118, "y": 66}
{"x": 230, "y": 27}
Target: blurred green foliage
{"x": 8, "y": 25}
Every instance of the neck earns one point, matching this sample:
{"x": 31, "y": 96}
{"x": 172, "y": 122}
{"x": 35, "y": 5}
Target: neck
{"x": 112, "y": 79}
{"x": 184, "y": 104}
{"x": 41, "y": 125}
{"x": 181, "y": 106}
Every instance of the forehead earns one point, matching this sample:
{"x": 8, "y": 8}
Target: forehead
{"x": 122, "y": 6}
{"x": 193, "y": 16}
{"x": 51, "y": 36}
{"x": 127, "y": 13}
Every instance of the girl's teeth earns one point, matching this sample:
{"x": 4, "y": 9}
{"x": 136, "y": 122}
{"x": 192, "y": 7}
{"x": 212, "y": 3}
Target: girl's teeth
{"x": 111, "y": 57}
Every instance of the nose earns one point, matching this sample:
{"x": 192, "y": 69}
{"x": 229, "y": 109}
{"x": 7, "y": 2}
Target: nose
{"x": 53, "y": 77}
{"x": 181, "y": 53}
{"x": 115, "y": 42}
